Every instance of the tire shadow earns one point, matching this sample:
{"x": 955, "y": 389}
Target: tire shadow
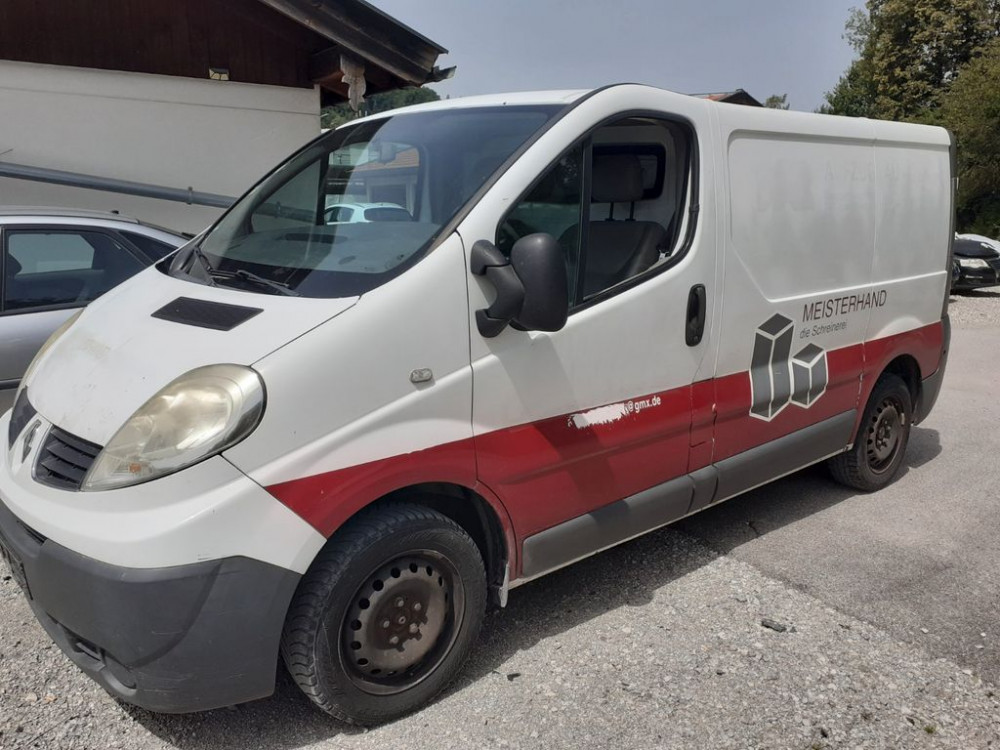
{"x": 728, "y": 525}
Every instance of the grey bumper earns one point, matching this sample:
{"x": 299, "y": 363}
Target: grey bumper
{"x": 171, "y": 640}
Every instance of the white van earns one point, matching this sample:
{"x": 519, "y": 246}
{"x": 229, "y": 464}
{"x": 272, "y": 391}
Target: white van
{"x": 340, "y": 442}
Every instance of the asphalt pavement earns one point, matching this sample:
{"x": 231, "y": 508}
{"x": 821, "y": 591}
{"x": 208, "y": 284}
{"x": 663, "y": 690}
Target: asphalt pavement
{"x": 921, "y": 558}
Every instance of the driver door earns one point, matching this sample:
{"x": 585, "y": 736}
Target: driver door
{"x": 585, "y": 433}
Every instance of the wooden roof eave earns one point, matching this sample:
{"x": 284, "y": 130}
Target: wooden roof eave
{"x": 393, "y": 54}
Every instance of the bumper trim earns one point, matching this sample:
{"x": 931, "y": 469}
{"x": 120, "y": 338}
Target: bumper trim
{"x": 930, "y": 387}
{"x": 171, "y": 640}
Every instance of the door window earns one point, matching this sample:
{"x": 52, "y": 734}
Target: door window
{"x": 629, "y": 218}
{"x": 47, "y": 268}
{"x": 552, "y": 206}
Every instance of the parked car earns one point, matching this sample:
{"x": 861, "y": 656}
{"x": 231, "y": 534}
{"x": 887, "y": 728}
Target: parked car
{"x": 54, "y": 261}
{"x": 995, "y": 244}
{"x": 351, "y": 213}
{"x": 978, "y": 263}
{"x": 336, "y": 444}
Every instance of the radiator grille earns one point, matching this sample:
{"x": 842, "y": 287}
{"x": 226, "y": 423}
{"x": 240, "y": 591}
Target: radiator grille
{"x": 64, "y": 460}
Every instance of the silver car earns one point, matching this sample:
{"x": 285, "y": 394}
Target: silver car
{"x": 54, "y": 261}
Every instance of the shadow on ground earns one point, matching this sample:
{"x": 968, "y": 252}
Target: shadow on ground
{"x": 974, "y": 293}
{"x": 803, "y": 494}
{"x": 626, "y": 576}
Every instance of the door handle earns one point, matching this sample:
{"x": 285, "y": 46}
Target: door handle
{"x": 694, "y": 327}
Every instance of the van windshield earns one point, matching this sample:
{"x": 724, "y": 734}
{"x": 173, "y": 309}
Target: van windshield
{"x": 360, "y": 205}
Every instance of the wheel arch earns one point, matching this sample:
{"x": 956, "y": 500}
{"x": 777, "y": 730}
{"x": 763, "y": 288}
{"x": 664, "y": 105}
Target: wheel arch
{"x": 485, "y": 520}
{"x": 904, "y": 366}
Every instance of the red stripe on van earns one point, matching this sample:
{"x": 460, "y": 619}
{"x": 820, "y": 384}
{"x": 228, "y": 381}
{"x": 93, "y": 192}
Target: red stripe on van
{"x": 548, "y": 471}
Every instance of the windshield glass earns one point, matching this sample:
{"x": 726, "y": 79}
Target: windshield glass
{"x": 362, "y": 204}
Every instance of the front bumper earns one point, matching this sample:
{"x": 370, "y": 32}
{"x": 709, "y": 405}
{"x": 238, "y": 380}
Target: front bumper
{"x": 171, "y": 594}
{"x": 977, "y": 278}
{"x": 173, "y": 640}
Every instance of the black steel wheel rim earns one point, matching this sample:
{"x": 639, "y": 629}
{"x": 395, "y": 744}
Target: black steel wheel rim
{"x": 402, "y": 622}
{"x": 884, "y": 438}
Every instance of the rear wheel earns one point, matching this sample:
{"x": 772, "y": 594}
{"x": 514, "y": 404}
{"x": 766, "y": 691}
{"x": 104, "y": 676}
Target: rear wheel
{"x": 881, "y": 441}
{"x": 387, "y": 614}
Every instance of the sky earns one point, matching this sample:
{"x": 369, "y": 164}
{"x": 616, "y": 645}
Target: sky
{"x": 793, "y": 47}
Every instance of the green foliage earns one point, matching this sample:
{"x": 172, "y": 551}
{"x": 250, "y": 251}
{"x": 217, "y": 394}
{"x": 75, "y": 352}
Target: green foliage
{"x": 909, "y": 52}
{"x": 338, "y": 114}
{"x": 971, "y": 110}
{"x": 854, "y": 94}
{"x": 919, "y": 46}
{"x": 777, "y": 101}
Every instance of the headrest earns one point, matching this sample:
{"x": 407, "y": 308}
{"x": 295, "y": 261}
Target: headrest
{"x": 617, "y": 179}
{"x": 13, "y": 267}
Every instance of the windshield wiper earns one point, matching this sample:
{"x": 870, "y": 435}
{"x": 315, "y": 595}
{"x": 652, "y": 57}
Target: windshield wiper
{"x": 244, "y": 275}
{"x": 207, "y": 273}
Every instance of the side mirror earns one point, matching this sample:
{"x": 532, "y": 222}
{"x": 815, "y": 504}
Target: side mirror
{"x": 540, "y": 264}
{"x": 531, "y": 287}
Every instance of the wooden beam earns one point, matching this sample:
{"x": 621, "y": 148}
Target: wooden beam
{"x": 378, "y": 43}
{"x": 325, "y": 64}
{"x": 324, "y": 67}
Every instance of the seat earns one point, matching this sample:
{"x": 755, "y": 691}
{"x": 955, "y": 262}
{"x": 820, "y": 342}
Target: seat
{"x": 11, "y": 269}
{"x": 617, "y": 249}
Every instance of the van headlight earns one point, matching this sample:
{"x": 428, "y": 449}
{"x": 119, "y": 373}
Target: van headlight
{"x": 197, "y": 416}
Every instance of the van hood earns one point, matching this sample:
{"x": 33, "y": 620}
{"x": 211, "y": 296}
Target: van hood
{"x": 117, "y": 355}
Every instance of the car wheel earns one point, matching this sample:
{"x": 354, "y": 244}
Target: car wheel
{"x": 874, "y": 460}
{"x": 386, "y": 615}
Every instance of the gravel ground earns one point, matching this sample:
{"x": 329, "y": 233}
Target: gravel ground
{"x": 978, "y": 309}
{"x": 655, "y": 644}
{"x": 658, "y": 643}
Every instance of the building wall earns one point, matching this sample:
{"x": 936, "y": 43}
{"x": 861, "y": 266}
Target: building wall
{"x": 213, "y": 136}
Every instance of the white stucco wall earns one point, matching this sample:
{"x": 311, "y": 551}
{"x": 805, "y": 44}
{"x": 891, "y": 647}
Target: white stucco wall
{"x": 214, "y": 136}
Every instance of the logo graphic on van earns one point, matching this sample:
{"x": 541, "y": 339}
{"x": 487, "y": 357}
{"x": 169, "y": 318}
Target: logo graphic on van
{"x": 778, "y": 378}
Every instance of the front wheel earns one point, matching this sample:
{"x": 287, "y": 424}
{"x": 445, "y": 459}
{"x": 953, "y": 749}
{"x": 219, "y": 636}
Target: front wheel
{"x": 881, "y": 441}
{"x": 386, "y": 615}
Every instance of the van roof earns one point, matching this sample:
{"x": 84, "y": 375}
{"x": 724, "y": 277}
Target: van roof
{"x": 792, "y": 122}
{"x": 522, "y": 98}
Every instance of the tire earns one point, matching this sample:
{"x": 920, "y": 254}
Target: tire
{"x": 874, "y": 460}
{"x": 386, "y": 615}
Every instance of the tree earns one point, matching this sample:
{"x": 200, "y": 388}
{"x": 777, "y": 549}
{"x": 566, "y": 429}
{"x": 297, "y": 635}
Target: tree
{"x": 854, "y": 94}
{"x": 338, "y": 114}
{"x": 971, "y": 110}
{"x": 777, "y": 101}
{"x": 909, "y": 51}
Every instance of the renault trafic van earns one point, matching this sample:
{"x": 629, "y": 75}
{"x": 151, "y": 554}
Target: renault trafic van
{"x": 334, "y": 444}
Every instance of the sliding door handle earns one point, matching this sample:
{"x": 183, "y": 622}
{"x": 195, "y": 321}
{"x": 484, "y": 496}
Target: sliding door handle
{"x": 694, "y": 327}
